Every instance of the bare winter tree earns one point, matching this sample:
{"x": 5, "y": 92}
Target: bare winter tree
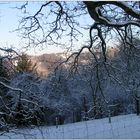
{"x": 55, "y": 21}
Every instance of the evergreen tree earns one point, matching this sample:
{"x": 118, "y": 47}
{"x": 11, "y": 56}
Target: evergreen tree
{"x": 24, "y": 64}
{"x": 3, "y": 77}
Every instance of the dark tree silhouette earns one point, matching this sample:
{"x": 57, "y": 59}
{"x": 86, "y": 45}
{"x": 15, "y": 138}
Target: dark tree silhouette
{"x": 55, "y": 19}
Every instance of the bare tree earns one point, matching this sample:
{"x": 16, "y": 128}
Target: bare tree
{"x": 55, "y": 21}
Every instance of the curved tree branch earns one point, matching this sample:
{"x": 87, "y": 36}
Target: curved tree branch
{"x": 95, "y": 13}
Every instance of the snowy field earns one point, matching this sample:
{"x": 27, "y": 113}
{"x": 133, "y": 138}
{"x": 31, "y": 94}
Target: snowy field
{"x": 125, "y": 126}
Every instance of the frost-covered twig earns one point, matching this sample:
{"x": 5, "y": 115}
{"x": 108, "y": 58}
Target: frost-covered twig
{"x": 12, "y": 88}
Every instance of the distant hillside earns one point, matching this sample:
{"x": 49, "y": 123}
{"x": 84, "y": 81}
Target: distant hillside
{"x": 47, "y": 62}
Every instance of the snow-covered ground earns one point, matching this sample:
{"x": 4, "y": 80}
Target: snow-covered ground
{"x": 125, "y": 126}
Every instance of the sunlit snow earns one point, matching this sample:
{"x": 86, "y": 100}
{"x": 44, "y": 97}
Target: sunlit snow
{"x": 124, "y": 126}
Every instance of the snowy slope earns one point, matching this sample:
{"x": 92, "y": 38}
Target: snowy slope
{"x": 125, "y": 126}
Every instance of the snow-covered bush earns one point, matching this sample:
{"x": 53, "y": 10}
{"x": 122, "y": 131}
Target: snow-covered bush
{"x": 25, "y": 104}
{"x": 58, "y": 96}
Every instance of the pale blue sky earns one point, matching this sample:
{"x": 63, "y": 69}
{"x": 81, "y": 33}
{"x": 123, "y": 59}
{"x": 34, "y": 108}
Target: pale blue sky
{"x": 9, "y": 18}
{"x": 8, "y": 22}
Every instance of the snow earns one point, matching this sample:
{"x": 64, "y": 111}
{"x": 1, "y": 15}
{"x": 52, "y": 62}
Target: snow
{"x": 123, "y": 126}
{"x": 129, "y": 7}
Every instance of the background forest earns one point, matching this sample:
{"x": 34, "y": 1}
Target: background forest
{"x": 97, "y": 76}
{"x": 89, "y": 91}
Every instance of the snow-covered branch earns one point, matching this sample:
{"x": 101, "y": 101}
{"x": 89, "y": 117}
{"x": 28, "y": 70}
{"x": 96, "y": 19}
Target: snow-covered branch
{"x": 9, "y": 87}
{"x": 97, "y": 15}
